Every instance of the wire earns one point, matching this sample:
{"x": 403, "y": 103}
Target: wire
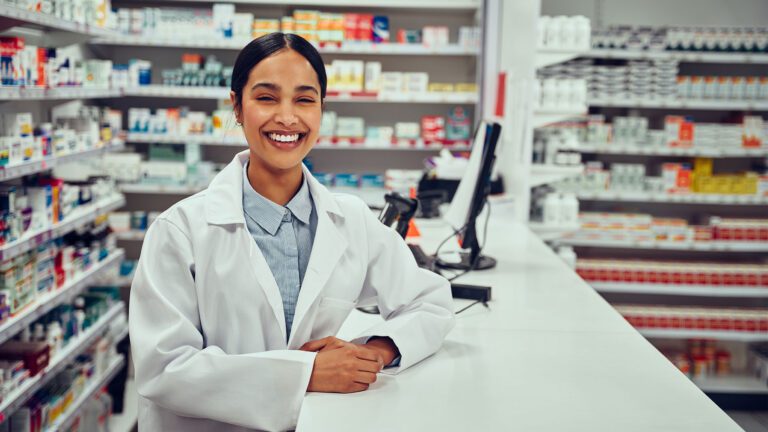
{"x": 470, "y": 305}
{"x": 480, "y": 250}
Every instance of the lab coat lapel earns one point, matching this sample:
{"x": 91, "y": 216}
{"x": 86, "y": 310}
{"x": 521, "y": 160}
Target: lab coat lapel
{"x": 266, "y": 281}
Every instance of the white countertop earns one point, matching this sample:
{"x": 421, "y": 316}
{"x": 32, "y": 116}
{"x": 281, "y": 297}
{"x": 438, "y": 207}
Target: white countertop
{"x": 549, "y": 355}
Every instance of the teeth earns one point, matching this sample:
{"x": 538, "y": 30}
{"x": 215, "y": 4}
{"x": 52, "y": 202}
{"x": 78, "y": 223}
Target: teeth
{"x": 284, "y": 138}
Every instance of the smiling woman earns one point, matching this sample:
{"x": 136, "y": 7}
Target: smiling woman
{"x": 227, "y": 332}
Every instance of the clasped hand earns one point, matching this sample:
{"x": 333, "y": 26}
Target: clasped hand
{"x": 344, "y": 367}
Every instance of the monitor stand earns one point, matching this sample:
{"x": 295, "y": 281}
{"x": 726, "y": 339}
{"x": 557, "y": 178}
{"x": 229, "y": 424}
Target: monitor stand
{"x": 483, "y": 263}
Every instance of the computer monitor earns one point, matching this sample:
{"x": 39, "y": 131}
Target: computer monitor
{"x": 470, "y": 198}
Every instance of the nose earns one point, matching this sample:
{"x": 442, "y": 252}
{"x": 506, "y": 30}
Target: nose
{"x": 285, "y": 115}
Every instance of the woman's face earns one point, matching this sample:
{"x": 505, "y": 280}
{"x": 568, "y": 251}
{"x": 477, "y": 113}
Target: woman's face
{"x": 280, "y": 110}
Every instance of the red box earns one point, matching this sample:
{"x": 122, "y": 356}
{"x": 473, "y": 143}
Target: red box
{"x": 350, "y": 26}
{"x": 35, "y": 355}
{"x": 365, "y": 27}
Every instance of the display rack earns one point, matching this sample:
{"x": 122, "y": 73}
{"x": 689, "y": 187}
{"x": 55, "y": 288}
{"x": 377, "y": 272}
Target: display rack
{"x": 544, "y": 117}
{"x": 545, "y": 174}
{"x": 705, "y": 246}
{"x": 548, "y": 56}
{"x": 11, "y": 16}
{"x": 79, "y": 217}
{"x": 684, "y": 290}
{"x": 640, "y": 150}
{"x": 48, "y": 301}
{"x": 736, "y": 336}
{"x": 141, "y": 188}
{"x": 681, "y": 56}
{"x": 550, "y": 232}
{"x": 735, "y": 383}
{"x": 691, "y": 104}
{"x": 75, "y": 347}
{"x": 692, "y": 198}
{"x": 130, "y": 235}
{"x": 391, "y": 4}
{"x": 45, "y": 164}
{"x": 58, "y": 93}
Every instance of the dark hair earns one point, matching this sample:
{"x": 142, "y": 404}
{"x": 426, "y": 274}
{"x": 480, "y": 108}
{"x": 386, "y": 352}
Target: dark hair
{"x": 263, "y": 47}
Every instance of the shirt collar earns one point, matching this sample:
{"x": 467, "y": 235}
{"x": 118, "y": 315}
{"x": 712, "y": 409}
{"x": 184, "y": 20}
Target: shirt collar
{"x": 269, "y": 215}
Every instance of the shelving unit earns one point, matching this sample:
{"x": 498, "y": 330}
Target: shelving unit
{"x": 548, "y": 56}
{"x": 736, "y": 336}
{"x": 96, "y": 383}
{"x": 141, "y": 188}
{"x": 544, "y": 117}
{"x": 684, "y": 290}
{"x": 11, "y": 16}
{"x": 711, "y": 246}
{"x": 75, "y": 347}
{"x": 46, "y": 302}
{"x": 736, "y": 383}
{"x": 132, "y": 235}
{"x": 545, "y": 174}
{"x": 692, "y": 104}
{"x": 709, "y": 199}
{"x": 640, "y": 150}
{"x": 681, "y": 56}
{"x": 552, "y": 232}
{"x": 45, "y": 164}
{"x": 59, "y": 93}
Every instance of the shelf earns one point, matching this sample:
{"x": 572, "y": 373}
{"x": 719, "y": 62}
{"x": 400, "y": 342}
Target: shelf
{"x": 361, "y": 48}
{"x": 32, "y": 167}
{"x": 693, "y": 104}
{"x": 544, "y": 117}
{"x": 79, "y": 217}
{"x": 373, "y": 197}
{"x": 223, "y": 93}
{"x": 732, "y": 384}
{"x": 626, "y": 149}
{"x": 682, "y": 56}
{"x": 90, "y": 389}
{"x": 132, "y": 235}
{"x": 11, "y": 16}
{"x": 548, "y": 232}
{"x": 692, "y": 198}
{"x": 711, "y": 246}
{"x": 457, "y": 5}
{"x": 322, "y": 144}
{"x": 75, "y": 347}
{"x": 737, "y": 336}
{"x": 46, "y": 302}
{"x": 59, "y": 93}
{"x": 545, "y": 174}
{"x": 139, "y": 188}
{"x": 548, "y": 56}
{"x": 684, "y": 290}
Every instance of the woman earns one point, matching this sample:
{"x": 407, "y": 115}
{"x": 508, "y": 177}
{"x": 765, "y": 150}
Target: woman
{"x": 240, "y": 288}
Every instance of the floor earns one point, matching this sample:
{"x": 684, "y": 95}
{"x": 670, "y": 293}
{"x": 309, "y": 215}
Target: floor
{"x": 751, "y": 421}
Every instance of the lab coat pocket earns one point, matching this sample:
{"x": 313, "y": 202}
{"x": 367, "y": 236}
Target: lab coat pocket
{"x": 331, "y": 313}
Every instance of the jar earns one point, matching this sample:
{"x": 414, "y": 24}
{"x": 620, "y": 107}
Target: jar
{"x": 723, "y": 363}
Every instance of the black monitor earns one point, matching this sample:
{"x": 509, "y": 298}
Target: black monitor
{"x": 472, "y": 260}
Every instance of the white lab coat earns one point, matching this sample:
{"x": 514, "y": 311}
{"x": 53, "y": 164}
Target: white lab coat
{"x": 206, "y": 316}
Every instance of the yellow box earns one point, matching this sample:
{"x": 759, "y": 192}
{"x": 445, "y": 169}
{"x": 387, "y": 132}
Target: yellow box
{"x": 440, "y": 87}
{"x": 702, "y": 166}
{"x": 306, "y": 15}
{"x": 466, "y": 87}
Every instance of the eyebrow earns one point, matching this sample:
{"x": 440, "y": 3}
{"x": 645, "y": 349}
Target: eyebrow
{"x": 275, "y": 87}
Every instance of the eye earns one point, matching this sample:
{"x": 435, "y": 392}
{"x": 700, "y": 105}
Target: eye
{"x": 306, "y": 100}
{"x": 265, "y": 98}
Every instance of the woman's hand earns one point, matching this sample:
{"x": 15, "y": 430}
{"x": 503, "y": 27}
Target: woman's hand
{"x": 347, "y": 368}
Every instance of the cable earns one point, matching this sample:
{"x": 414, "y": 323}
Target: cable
{"x": 480, "y": 250}
{"x": 470, "y": 305}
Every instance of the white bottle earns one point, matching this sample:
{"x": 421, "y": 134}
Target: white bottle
{"x": 569, "y": 207}
{"x": 54, "y": 337}
{"x": 551, "y": 211}
{"x": 567, "y": 254}
{"x": 541, "y": 31}
{"x": 567, "y": 33}
{"x": 80, "y": 318}
{"x": 38, "y": 335}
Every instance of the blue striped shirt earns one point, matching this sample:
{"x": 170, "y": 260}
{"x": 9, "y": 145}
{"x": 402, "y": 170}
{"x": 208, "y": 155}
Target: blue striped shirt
{"x": 284, "y": 236}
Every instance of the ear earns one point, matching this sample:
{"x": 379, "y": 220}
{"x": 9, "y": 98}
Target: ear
{"x": 236, "y": 107}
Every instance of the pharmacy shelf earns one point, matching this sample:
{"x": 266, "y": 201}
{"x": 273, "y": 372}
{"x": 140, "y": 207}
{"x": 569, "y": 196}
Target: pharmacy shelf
{"x": 374, "y": 197}
{"x": 58, "y": 93}
{"x": 548, "y": 56}
{"x": 45, "y": 164}
{"x": 139, "y": 188}
{"x": 223, "y": 93}
{"x": 549, "y": 232}
{"x": 692, "y": 198}
{"x": 131, "y": 235}
{"x": 11, "y": 16}
{"x": 326, "y": 143}
{"x": 390, "y": 4}
{"x": 726, "y": 335}
{"x": 684, "y": 290}
{"x": 75, "y": 347}
{"x": 736, "y": 383}
{"x": 544, "y": 174}
{"x": 681, "y": 56}
{"x": 640, "y": 150}
{"x": 693, "y": 104}
{"x": 79, "y": 217}
{"x": 48, "y": 301}
{"x": 544, "y": 117}
{"x": 91, "y": 388}
{"x": 358, "y": 48}
{"x": 704, "y": 246}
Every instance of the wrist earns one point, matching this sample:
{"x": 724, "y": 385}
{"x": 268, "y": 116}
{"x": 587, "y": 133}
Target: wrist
{"x": 385, "y": 346}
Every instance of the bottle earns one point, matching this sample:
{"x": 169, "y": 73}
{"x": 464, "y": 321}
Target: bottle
{"x": 552, "y": 209}
{"x": 38, "y": 335}
{"x": 54, "y": 337}
{"x": 569, "y": 208}
{"x": 567, "y": 254}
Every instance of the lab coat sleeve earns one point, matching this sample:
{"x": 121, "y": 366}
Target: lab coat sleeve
{"x": 416, "y": 304}
{"x": 175, "y": 370}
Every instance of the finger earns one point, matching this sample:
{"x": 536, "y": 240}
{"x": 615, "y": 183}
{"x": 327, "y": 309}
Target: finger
{"x": 365, "y": 377}
{"x": 334, "y": 344}
{"x": 315, "y": 345}
{"x": 357, "y": 387}
{"x": 369, "y": 366}
{"x": 364, "y": 353}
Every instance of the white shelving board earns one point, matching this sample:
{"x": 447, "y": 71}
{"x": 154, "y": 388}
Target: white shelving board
{"x": 545, "y": 174}
{"x": 374, "y": 197}
{"x": 724, "y": 335}
{"x": 14, "y": 16}
{"x": 32, "y": 167}
{"x": 640, "y": 150}
{"x": 58, "y": 93}
{"x": 693, "y": 198}
{"x": 684, "y": 290}
{"x": 694, "y": 104}
{"x": 79, "y": 217}
{"x": 391, "y": 4}
{"x": 46, "y": 302}
{"x": 544, "y": 116}
{"x": 139, "y": 188}
{"x": 94, "y": 385}
{"x": 712, "y": 246}
{"x": 131, "y": 235}
{"x": 75, "y": 347}
{"x": 737, "y": 383}
{"x": 357, "y": 48}
{"x": 549, "y": 56}
{"x": 223, "y": 93}
{"x": 681, "y": 56}
{"x": 549, "y": 232}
